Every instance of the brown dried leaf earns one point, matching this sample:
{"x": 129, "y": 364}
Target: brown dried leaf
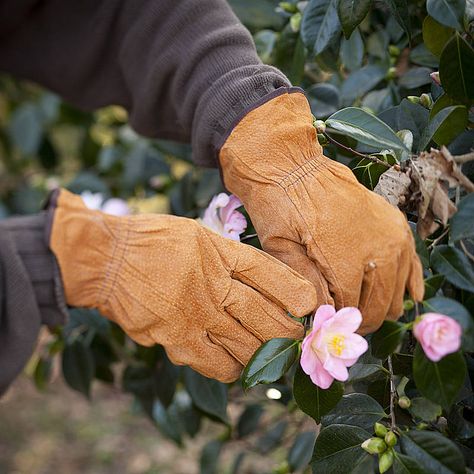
{"x": 393, "y": 185}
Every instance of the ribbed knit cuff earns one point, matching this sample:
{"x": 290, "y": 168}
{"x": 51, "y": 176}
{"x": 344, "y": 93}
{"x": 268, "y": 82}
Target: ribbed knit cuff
{"x": 29, "y": 235}
{"x": 226, "y": 102}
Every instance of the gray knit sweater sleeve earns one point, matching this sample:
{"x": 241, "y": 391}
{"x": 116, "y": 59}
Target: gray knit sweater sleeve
{"x": 184, "y": 69}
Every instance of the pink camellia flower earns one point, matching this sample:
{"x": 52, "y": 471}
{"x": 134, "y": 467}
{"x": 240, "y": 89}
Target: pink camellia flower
{"x": 113, "y": 206}
{"x": 332, "y": 345}
{"x": 435, "y": 77}
{"x": 222, "y": 217}
{"x": 439, "y": 335}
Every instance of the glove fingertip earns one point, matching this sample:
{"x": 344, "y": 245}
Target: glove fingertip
{"x": 416, "y": 284}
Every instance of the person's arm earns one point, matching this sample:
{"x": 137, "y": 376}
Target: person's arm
{"x": 184, "y": 69}
{"x": 30, "y": 291}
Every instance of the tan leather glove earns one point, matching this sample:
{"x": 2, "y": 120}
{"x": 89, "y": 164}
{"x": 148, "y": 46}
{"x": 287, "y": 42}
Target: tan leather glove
{"x": 208, "y": 300}
{"x": 311, "y": 213}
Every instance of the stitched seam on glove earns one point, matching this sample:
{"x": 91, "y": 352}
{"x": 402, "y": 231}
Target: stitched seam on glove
{"x": 313, "y": 164}
{"x": 114, "y": 265}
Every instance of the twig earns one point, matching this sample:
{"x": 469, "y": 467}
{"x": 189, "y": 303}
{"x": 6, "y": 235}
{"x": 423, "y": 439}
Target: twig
{"x": 392, "y": 394}
{"x": 466, "y": 251}
{"x": 443, "y": 234}
{"x": 461, "y": 159}
{"x": 355, "y": 152}
{"x": 248, "y": 237}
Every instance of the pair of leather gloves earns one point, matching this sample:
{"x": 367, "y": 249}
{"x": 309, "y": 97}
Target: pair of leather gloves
{"x": 210, "y": 301}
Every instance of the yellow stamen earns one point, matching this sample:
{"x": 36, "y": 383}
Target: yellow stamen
{"x": 337, "y": 344}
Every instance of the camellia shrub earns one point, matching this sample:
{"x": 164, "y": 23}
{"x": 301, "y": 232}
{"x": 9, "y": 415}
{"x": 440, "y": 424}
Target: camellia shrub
{"x": 391, "y": 86}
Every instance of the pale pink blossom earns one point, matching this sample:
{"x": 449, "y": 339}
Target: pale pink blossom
{"x": 439, "y": 335}
{"x": 222, "y": 216}
{"x": 332, "y": 345}
{"x": 113, "y": 206}
{"x": 435, "y": 77}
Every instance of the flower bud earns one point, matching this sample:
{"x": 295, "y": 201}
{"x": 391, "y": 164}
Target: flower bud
{"x": 391, "y": 73}
{"x": 320, "y": 126}
{"x": 380, "y": 430}
{"x": 288, "y": 7}
{"x": 295, "y": 22}
{"x": 386, "y": 461}
{"x": 394, "y": 50}
{"x": 422, "y": 426}
{"x": 404, "y": 402}
{"x": 413, "y": 99}
{"x": 323, "y": 141}
{"x": 374, "y": 445}
{"x": 408, "y": 305}
{"x": 391, "y": 439}
{"x": 426, "y": 101}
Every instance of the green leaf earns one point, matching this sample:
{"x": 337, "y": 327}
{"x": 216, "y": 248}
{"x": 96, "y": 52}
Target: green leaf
{"x": 352, "y": 51}
{"x": 447, "y": 12}
{"x": 351, "y": 13}
{"x": 270, "y": 362}
{"x": 415, "y": 77}
{"x": 457, "y": 311}
{"x": 42, "y": 373}
{"x": 359, "y": 82}
{"x": 272, "y": 437}
{"x": 210, "y": 457}
{"x": 324, "y": 99}
{"x": 425, "y": 409}
{"x": 257, "y": 15}
{"x": 433, "y": 452}
{"x": 320, "y": 25}
{"x": 399, "y": 9}
{"x": 406, "y": 465}
{"x": 355, "y": 409}
{"x": 365, "y": 128}
{"x": 444, "y": 126}
{"x": 456, "y": 69}
{"x": 440, "y": 381}
{"x": 462, "y": 223}
{"x": 314, "y": 401}
{"x": 367, "y": 172}
{"x": 78, "y": 366}
{"x": 435, "y": 35}
{"x": 424, "y": 57}
{"x": 208, "y": 395}
{"x": 338, "y": 450}
{"x": 300, "y": 452}
{"x": 386, "y": 340}
{"x": 249, "y": 419}
{"x": 26, "y": 128}
{"x": 454, "y": 265}
{"x": 441, "y": 103}
{"x": 432, "y": 285}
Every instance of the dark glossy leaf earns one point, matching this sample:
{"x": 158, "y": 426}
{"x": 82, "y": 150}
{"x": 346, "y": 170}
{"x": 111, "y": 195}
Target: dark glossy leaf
{"x": 359, "y": 82}
{"x": 424, "y": 57}
{"x": 367, "y": 172}
{"x": 314, "y": 401}
{"x": 441, "y": 103}
{"x": 301, "y": 451}
{"x": 320, "y": 24}
{"x": 456, "y": 69}
{"x": 270, "y": 362}
{"x": 78, "y": 366}
{"x": 444, "y": 126}
{"x": 272, "y": 438}
{"x": 208, "y": 395}
{"x": 257, "y": 15}
{"x": 406, "y": 465}
{"x": 249, "y": 420}
{"x": 415, "y": 77}
{"x": 435, "y": 35}
{"x": 351, "y": 13}
{"x": 338, "y": 450}
{"x": 355, "y": 409}
{"x": 462, "y": 223}
{"x": 425, "y": 409}
{"x": 447, "y": 12}
{"x": 352, "y": 51}
{"x": 440, "y": 381}
{"x": 365, "y": 128}
{"x": 399, "y": 9}
{"x": 210, "y": 457}
{"x": 324, "y": 99}
{"x": 454, "y": 265}
{"x": 432, "y": 285}
{"x": 433, "y": 452}
{"x": 167, "y": 421}
{"x": 387, "y": 339}
{"x": 457, "y": 311}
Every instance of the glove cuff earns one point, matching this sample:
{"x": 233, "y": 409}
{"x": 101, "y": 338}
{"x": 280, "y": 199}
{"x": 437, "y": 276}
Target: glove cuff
{"x": 89, "y": 246}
